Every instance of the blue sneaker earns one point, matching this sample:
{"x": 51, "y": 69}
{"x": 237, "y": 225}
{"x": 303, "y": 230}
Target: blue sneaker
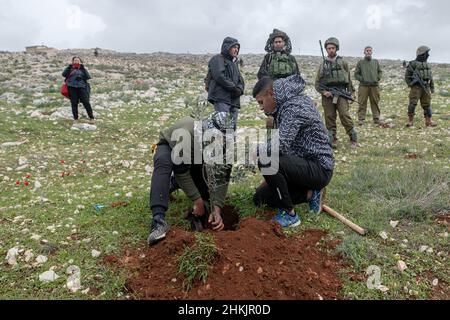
{"x": 315, "y": 203}
{"x": 286, "y": 220}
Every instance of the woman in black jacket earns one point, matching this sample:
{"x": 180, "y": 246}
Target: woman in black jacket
{"x": 79, "y": 90}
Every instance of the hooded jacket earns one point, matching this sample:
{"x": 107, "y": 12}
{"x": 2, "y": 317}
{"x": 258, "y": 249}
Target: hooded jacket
{"x": 301, "y": 129}
{"x": 225, "y": 82}
{"x": 263, "y": 70}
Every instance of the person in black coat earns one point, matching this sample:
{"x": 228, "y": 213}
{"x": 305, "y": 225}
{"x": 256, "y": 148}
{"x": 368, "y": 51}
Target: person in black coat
{"x": 224, "y": 82}
{"x": 79, "y": 89}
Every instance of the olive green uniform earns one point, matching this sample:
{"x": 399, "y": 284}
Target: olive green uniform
{"x": 417, "y": 93}
{"x": 368, "y": 73}
{"x": 339, "y": 76}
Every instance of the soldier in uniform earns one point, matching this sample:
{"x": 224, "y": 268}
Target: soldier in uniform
{"x": 335, "y": 72}
{"x": 368, "y": 73}
{"x": 420, "y": 79}
{"x": 278, "y": 63}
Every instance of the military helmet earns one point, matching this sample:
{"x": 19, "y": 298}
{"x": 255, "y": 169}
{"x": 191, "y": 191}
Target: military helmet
{"x": 332, "y": 41}
{"x": 422, "y": 50}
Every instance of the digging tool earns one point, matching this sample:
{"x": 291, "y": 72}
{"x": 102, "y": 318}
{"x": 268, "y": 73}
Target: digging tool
{"x": 344, "y": 220}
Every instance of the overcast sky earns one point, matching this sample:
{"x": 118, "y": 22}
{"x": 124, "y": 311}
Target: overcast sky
{"x": 395, "y": 28}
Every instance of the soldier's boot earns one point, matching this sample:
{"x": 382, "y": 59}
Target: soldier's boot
{"x": 429, "y": 122}
{"x": 410, "y": 121}
{"x": 354, "y": 139}
{"x": 428, "y": 114}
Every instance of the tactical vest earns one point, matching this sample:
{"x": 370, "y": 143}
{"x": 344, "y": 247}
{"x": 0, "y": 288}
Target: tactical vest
{"x": 337, "y": 76}
{"x": 281, "y": 66}
{"x": 424, "y": 70}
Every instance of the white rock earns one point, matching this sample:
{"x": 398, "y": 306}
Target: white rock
{"x": 28, "y": 255}
{"x": 74, "y": 279}
{"x": 36, "y": 114}
{"x": 41, "y": 259}
{"x": 22, "y": 167}
{"x": 48, "y": 276}
{"x": 126, "y": 163}
{"x": 394, "y": 224}
{"x": 84, "y": 127}
{"x": 37, "y": 185}
{"x": 22, "y": 161}
{"x": 383, "y": 288}
{"x": 95, "y": 253}
{"x": 423, "y": 248}
{"x": 11, "y": 256}
{"x": 401, "y": 266}
{"x": 13, "y": 144}
{"x": 129, "y": 195}
{"x": 35, "y": 237}
{"x": 435, "y": 282}
{"x": 383, "y": 235}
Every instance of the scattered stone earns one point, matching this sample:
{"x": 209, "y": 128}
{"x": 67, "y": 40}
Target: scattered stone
{"x": 84, "y": 127}
{"x": 37, "y": 185}
{"x": 22, "y": 161}
{"x": 401, "y": 266}
{"x": 48, "y": 276}
{"x": 28, "y": 255}
{"x": 22, "y": 167}
{"x": 41, "y": 259}
{"x": 383, "y": 289}
{"x": 11, "y": 256}
{"x": 13, "y": 144}
{"x": 95, "y": 253}
{"x": 394, "y": 224}
{"x": 435, "y": 282}
{"x": 74, "y": 279}
{"x": 383, "y": 235}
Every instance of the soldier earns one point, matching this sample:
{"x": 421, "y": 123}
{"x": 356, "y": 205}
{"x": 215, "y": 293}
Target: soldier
{"x": 420, "y": 79}
{"x": 368, "y": 73}
{"x": 278, "y": 62}
{"x": 334, "y": 72}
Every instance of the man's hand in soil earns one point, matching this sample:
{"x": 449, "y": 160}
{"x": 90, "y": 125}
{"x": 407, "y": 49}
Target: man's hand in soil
{"x": 215, "y": 219}
{"x": 199, "y": 208}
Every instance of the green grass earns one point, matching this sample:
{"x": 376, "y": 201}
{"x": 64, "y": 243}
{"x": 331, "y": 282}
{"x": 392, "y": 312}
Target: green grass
{"x": 197, "y": 260}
